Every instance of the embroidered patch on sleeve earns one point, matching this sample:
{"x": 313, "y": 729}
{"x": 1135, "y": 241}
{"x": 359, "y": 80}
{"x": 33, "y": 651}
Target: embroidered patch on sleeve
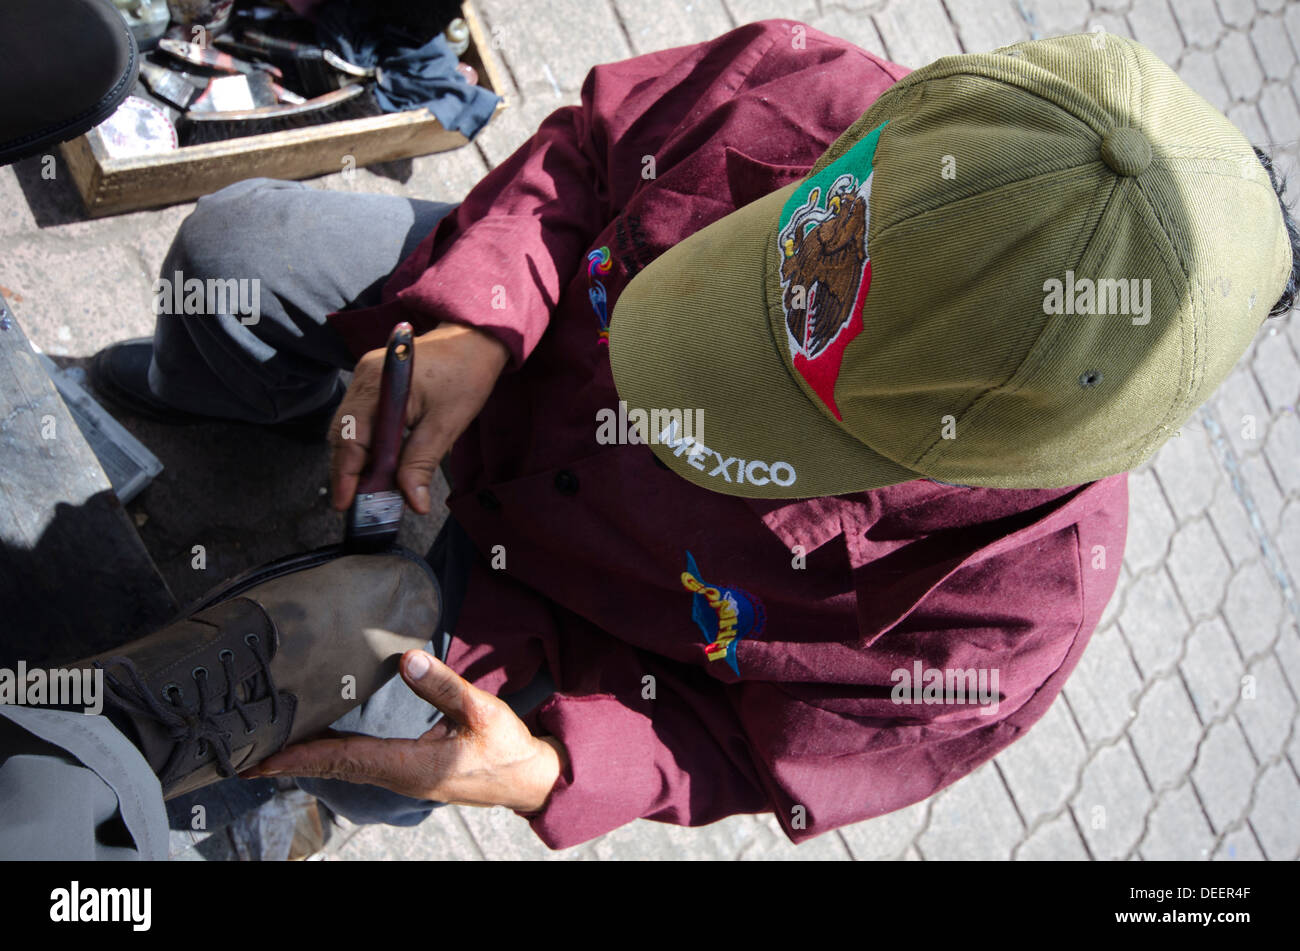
{"x": 724, "y": 615}
{"x": 599, "y": 262}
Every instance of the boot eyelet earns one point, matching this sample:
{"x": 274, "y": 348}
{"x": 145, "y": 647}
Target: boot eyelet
{"x": 226, "y": 654}
{"x": 251, "y": 639}
{"x": 198, "y": 670}
{"x": 172, "y": 690}
{"x": 202, "y": 749}
{"x": 249, "y": 730}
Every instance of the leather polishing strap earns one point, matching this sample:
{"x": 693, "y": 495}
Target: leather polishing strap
{"x": 376, "y": 512}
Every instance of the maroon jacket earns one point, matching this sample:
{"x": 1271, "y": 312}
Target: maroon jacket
{"x": 717, "y": 655}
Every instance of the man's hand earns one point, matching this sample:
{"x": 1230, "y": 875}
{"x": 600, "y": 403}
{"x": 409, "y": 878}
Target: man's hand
{"x": 479, "y": 754}
{"x": 455, "y": 369}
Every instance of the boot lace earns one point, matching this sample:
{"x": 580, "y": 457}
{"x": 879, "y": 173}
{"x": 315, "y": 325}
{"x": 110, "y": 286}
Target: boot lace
{"x": 184, "y": 724}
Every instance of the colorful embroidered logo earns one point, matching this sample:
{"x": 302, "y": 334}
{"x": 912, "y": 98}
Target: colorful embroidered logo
{"x": 724, "y": 615}
{"x": 825, "y": 267}
{"x": 599, "y": 261}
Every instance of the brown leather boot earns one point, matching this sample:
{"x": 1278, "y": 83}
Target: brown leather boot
{"x": 269, "y": 659}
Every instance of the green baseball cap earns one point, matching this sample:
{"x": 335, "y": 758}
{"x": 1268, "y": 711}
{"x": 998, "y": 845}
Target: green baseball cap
{"x": 1018, "y": 269}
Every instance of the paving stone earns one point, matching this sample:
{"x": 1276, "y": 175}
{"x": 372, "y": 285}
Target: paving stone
{"x": 1289, "y": 322}
{"x": 1282, "y": 449}
{"x": 441, "y": 837}
{"x": 1287, "y": 652}
{"x": 772, "y": 845}
{"x": 1223, "y": 773}
{"x": 1276, "y": 370}
{"x": 52, "y": 199}
{"x": 1155, "y": 28}
{"x": 1176, "y": 829}
{"x": 985, "y": 26}
{"x": 1277, "y": 106}
{"x": 1292, "y": 19}
{"x": 654, "y": 841}
{"x": 1111, "y": 803}
{"x": 1153, "y": 622}
{"x": 1288, "y": 539}
{"x": 151, "y": 233}
{"x": 1165, "y": 732}
{"x": 1150, "y": 522}
{"x": 1199, "y": 568}
{"x": 1236, "y": 13}
{"x": 1199, "y": 70}
{"x": 55, "y": 286}
{"x": 1101, "y": 689}
{"x": 1241, "y": 70}
{"x": 1242, "y": 411}
{"x": 1055, "y": 841}
{"x": 1040, "y": 768}
{"x": 500, "y": 833}
{"x": 1271, "y": 6}
{"x": 1245, "y": 116}
{"x": 556, "y": 42}
{"x": 1110, "y": 23}
{"x": 664, "y": 25}
{"x": 885, "y": 837}
{"x": 1266, "y": 708}
{"x": 1276, "y": 813}
{"x": 1199, "y": 21}
{"x": 747, "y": 11}
{"x": 916, "y": 33}
{"x": 1274, "y": 49}
{"x": 1188, "y": 471}
{"x": 1239, "y": 846}
{"x": 856, "y": 27}
{"x": 972, "y": 819}
{"x": 16, "y": 216}
{"x": 1054, "y": 17}
{"x": 1232, "y": 525}
{"x": 1212, "y": 669}
{"x": 1264, "y": 493}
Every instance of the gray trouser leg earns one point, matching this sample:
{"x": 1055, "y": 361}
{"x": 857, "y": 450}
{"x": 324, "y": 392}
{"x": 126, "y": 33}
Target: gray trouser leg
{"x": 290, "y": 255}
{"x": 73, "y": 787}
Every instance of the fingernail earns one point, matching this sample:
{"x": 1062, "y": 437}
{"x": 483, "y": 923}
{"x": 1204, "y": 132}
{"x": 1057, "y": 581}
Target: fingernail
{"x": 417, "y": 665}
{"x": 422, "y": 498}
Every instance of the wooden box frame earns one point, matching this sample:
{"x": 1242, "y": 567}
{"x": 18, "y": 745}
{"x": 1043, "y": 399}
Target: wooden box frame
{"x": 110, "y": 185}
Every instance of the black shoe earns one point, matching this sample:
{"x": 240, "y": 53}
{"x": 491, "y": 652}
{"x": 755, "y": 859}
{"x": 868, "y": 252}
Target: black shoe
{"x": 120, "y": 373}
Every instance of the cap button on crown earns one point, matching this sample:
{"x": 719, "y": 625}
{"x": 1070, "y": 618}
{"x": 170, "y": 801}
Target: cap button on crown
{"x": 1126, "y": 150}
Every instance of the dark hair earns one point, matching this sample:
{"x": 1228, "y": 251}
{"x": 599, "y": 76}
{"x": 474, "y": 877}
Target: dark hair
{"x": 1288, "y": 298}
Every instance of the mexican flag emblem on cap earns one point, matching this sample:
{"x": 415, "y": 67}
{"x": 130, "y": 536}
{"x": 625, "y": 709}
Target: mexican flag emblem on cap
{"x": 825, "y": 265}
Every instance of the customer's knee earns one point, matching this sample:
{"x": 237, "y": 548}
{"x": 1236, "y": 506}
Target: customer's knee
{"x": 225, "y": 236}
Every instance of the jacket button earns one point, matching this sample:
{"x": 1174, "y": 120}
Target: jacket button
{"x": 489, "y": 501}
{"x": 566, "y": 483}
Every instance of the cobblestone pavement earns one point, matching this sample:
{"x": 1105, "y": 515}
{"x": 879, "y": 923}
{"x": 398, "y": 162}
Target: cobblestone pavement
{"x": 1175, "y": 738}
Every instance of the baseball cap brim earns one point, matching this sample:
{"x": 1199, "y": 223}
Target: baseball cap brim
{"x": 693, "y": 333}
